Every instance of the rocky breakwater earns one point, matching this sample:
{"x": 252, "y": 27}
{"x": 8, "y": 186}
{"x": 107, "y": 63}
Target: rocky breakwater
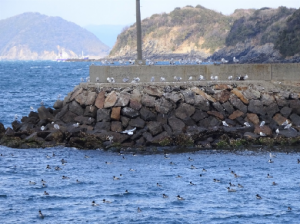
{"x": 196, "y": 114}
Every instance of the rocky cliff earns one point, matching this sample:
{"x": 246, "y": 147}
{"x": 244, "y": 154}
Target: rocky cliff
{"x": 187, "y": 30}
{"x": 32, "y": 36}
{"x": 196, "y": 114}
{"x": 252, "y": 36}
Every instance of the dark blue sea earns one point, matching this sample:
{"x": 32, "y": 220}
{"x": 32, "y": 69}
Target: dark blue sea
{"x": 145, "y": 177}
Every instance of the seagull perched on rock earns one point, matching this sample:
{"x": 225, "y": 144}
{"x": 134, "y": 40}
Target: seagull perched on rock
{"x": 247, "y": 124}
{"x": 201, "y": 77}
{"x": 288, "y": 126}
{"x": 225, "y": 124}
{"x": 110, "y": 138}
{"x": 262, "y": 134}
{"x": 177, "y": 78}
{"x": 235, "y": 60}
{"x": 152, "y": 79}
{"x": 128, "y": 132}
{"x": 262, "y": 123}
{"x": 97, "y": 79}
{"x": 56, "y": 126}
{"x": 285, "y": 123}
{"x": 190, "y": 78}
{"x": 135, "y": 80}
{"x": 43, "y": 128}
{"x": 76, "y": 125}
{"x": 214, "y": 77}
{"x": 125, "y": 79}
{"x": 230, "y": 77}
{"x": 162, "y": 79}
{"x": 110, "y": 79}
{"x": 224, "y": 61}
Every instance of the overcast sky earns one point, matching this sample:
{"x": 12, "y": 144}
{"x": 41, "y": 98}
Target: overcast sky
{"x": 122, "y": 12}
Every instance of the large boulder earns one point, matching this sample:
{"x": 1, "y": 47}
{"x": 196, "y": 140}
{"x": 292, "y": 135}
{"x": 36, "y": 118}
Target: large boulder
{"x": 222, "y": 96}
{"x": 238, "y": 104}
{"x": 267, "y": 99}
{"x": 228, "y": 107}
{"x": 69, "y": 117}
{"x": 116, "y": 113}
{"x": 58, "y": 104}
{"x": 154, "y": 127}
{"x": 116, "y": 126}
{"x": 199, "y": 115}
{"x": 176, "y": 124}
{"x": 173, "y": 96}
{"x": 76, "y": 108}
{"x": 147, "y": 115}
{"x": 148, "y": 101}
{"x": 90, "y": 111}
{"x": 102, "y": 126}
{"x": 135, "y": 100}
{"x": 184, "y": 111}
{"x": 286, "y": 111}
{"x": 99, "y": 103}
{"x": 110, "y": 100}
{"x": 103, "y": 115}
{"x": 163, "y": 106}
{"x": 153, "y": 91}
{"x": 240, "y": 95}
{"x": 44, "y": 113}
{"x": 216, "y": 114}
{"x": 295, "y": 119}
{"x": 129, "y": 112}
{"x": 295, "y": 105}
{"x": 123, "y": 99}
{"x": 189, "y": 96}
{"x": 256, "y": 107}
{"x": 137, "y": 122}
{"x": 253, "y": 118}
{"x": 90, "y": 99}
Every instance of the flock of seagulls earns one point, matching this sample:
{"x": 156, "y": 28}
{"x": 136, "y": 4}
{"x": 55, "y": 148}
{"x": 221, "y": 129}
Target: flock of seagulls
{"x": 285, "y": 125}
{"x": 172, "y": 61}
{"x": 176, "y": 78}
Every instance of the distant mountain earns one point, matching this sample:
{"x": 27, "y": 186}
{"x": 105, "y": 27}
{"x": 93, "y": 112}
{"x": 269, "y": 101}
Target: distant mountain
{"x": 107, "y": 33}
{"x": 32, "y": 36}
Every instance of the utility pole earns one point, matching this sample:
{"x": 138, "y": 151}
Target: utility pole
{"x": 139, "y": 33}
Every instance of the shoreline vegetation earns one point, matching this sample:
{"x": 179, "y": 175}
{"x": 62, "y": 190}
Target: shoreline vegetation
{"x": 158, "y": 117}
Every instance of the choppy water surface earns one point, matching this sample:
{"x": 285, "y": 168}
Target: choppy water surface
{"x": 25, "y": 84}
{"x": 205, "y": 202}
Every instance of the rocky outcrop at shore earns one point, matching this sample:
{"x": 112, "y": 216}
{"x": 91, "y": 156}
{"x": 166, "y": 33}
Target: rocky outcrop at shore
{"x": 249, "y": 53}
{"x": 202, "y": 115}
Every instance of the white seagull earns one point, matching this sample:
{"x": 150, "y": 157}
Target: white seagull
{"x": 162, "y": 79}
{"x": 128, "y": 132}
{"x": 201, "y": 77}
{"x": 152, "y": 79}
{"x": 225, "y": 124}
{"x": 56, "y": 126}
{"x": 247, "y": 124}
{"x": 262, "y": 123}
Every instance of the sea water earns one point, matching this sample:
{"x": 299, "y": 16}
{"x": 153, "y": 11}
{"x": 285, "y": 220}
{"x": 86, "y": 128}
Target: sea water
{"x": 146, "y": 177}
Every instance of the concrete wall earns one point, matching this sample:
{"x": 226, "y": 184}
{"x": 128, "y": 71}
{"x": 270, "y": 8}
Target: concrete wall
{"x": 266, "y": 72}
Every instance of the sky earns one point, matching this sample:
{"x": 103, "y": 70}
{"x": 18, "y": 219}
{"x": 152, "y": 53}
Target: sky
{"x": 122, "y": 12}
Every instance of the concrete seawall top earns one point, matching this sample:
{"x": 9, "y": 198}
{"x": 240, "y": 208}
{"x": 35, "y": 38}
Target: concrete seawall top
{"x": 264, "y": 72}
